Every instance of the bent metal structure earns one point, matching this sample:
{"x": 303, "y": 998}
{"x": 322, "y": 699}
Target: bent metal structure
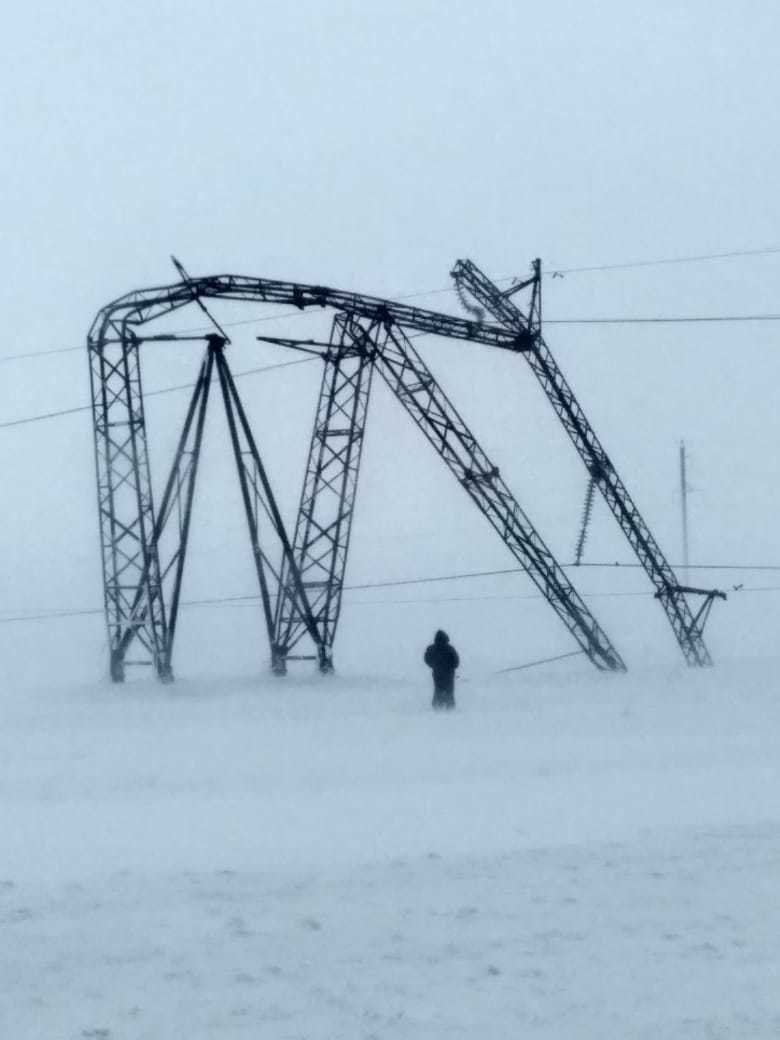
{"x": 301, "y": 577}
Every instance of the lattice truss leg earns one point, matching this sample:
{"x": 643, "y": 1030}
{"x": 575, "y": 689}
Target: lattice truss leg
{"x": 132, "y": 585}
{"x": 327, "y": 504}
{"x": 177, "y": 504}
{"x": 687, "y": 629}
{"x": 408, "y": 377}
{"x": 259, "y": 503}
{"x": 142, "y": 595}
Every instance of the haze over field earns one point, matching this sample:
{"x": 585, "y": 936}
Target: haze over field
{"x": 570, "y": 854}
{"x": 368, "y": 147}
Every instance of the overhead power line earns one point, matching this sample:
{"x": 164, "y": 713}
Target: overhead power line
{"x": 150, "y": 393}
{"x": 465, "y": 575}
{"x": 248, "y": 599}
{"x": 535, "y": 664}
{"x": 550, "y": 272}
{"x": 610, "y": 594}
{"x": 198, "y": 328}
{"x": 660, "y": 319}
{"x": 45, "y": 415}
{"x": 678, "y": 319}
{"x": 435, "y": 579}
{"x": 41, "y": 353}
{"x": 691, "y": 566}
{"x": 50, "y": 615}
{"x": 666, "y": 260}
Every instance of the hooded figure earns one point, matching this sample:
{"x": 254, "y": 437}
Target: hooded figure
{"x": 442, "y": 658}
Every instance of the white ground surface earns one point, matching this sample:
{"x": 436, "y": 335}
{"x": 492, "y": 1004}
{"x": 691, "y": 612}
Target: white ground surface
{"x": 565, "y": 856}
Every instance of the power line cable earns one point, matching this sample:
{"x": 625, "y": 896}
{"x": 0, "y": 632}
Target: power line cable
{"x": 168, "y": 389}
{"x": 50, "y": 615}
{"x": 535, "y": 664}
{"x": 150, "y": 393}
{"x": 250, "y": 599}
{"x": 489, "y": 598}
{"x": 176, "y": 332}
{"x": 40, "y": 353}
{"x": 551, "y": 272}
{"x": 45, "y": 415}
{"x": 664, "y": 261}
{"x": 427, "y": 580}
{"x": 568, "y": 566}
{"x": 691, "y": 566}
{"x": 676, "y": 319}
{"x": 660, "y": 320}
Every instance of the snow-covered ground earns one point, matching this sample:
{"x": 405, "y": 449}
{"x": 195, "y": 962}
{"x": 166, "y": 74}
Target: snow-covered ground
{"x": 567, "y": 855}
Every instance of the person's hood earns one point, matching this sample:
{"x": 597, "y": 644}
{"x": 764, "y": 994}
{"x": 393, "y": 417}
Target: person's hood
{"x": 441, "y": 637}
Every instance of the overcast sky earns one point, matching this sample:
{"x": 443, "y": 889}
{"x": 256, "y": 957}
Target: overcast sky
{"x": 368, "y": 145}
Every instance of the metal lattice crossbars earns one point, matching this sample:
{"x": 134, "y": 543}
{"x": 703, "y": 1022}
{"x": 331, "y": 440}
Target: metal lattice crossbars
{"x": 144, "y": 552}
{"x": 405, "y": 372}
{"x": 132, "y": 583}
{"x": 598, "y": 464}
{"x": 327, "y": 504}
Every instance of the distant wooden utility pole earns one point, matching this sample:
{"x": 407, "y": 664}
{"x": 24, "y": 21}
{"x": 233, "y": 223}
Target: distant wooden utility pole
{"x": 684, "y": 502}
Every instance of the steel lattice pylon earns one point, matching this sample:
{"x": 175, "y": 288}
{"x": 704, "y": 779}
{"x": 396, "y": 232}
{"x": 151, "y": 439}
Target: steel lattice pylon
{"x": 301, "y": 594}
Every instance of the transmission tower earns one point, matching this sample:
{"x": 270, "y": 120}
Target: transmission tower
{"x": 301, "y": 582}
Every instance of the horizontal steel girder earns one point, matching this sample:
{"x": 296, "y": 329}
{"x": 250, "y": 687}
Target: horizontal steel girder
{"x": 143, "y": 305}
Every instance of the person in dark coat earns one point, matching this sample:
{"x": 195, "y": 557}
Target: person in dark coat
{"x": 442, "y": 658}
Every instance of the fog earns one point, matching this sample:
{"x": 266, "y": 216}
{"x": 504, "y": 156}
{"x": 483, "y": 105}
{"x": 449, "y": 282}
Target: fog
{"x": 367, "y": 146}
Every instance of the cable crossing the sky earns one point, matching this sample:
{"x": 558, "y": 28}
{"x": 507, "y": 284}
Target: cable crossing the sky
{"x": 551, "y": 273}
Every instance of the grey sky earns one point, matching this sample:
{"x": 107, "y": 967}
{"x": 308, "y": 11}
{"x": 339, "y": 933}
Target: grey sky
{"x": 367, "y": 146}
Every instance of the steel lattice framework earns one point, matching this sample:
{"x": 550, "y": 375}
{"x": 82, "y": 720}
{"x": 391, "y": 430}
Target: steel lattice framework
{"x": 405, "y": 372}
{"x": 330, "y": 486}
{"x": 687, "y": 627}
{"x": 144, "y": 551}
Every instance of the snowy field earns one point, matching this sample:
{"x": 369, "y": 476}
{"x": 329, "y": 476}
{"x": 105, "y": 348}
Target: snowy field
{"x": 565, "y": 856}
